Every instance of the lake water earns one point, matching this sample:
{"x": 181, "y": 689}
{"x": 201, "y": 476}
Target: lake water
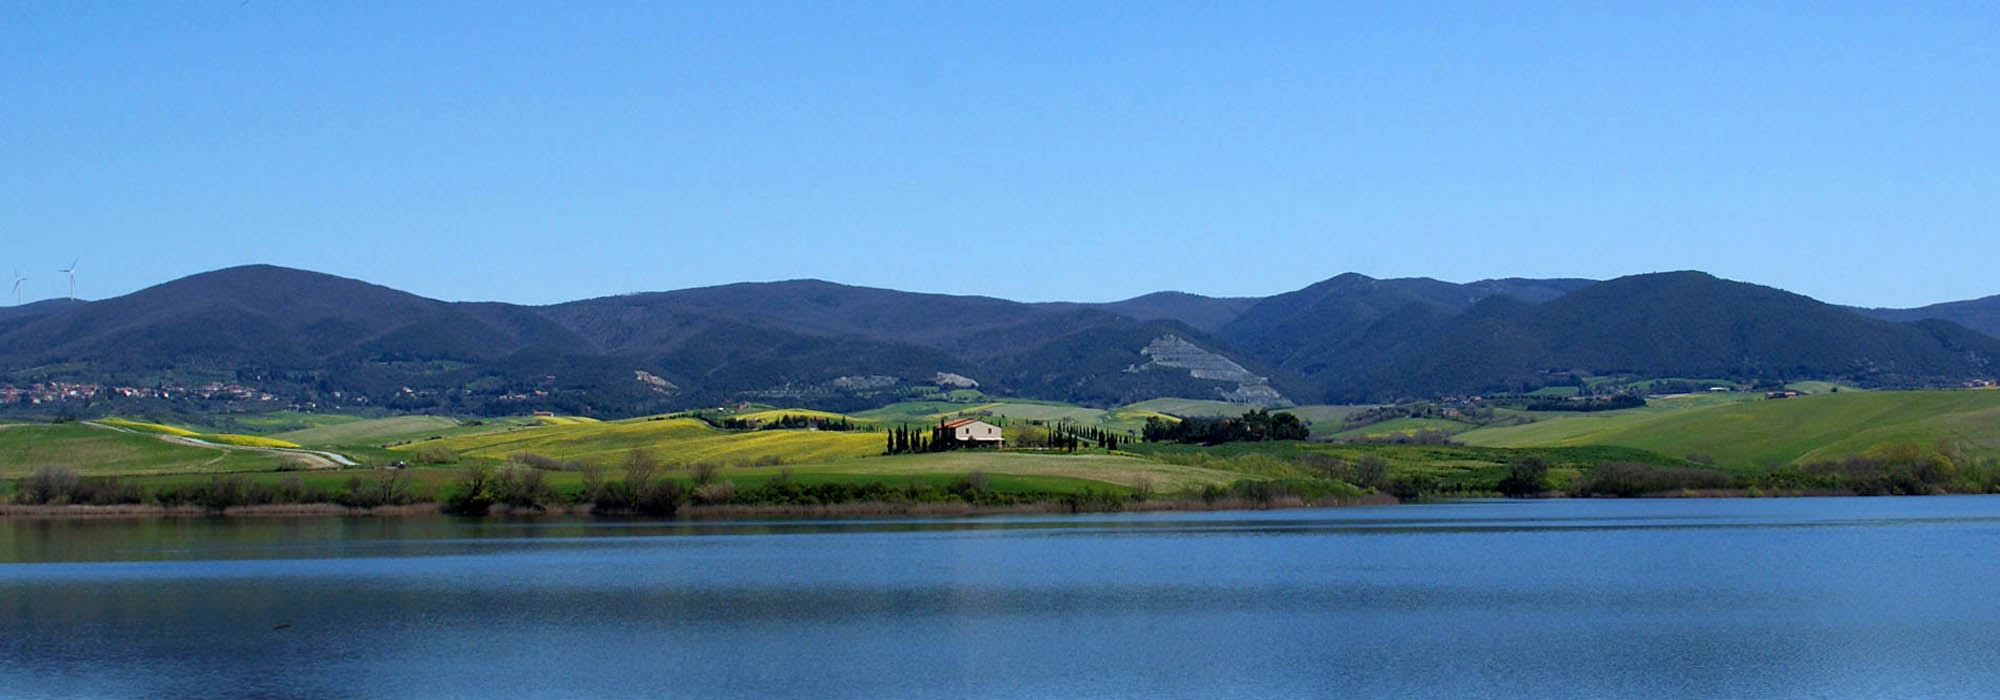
{"x": 1863, "y": 598}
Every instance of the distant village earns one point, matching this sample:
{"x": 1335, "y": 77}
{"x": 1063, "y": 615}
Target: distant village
{"x": 56, "y": 392}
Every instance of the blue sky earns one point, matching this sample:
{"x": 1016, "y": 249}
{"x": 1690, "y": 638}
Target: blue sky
{"x": 544, "y": 152}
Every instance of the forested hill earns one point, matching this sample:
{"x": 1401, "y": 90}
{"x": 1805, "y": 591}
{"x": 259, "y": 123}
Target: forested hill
{"x": 1683, "y": 324}
{"x": 310, "y": 338}
{"x": 1981, "y": 315}
{"x": 327, "y": 340}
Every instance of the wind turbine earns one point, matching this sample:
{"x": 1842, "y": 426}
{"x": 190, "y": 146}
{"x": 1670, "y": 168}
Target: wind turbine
{"x": 18, "y": 279}
{"x": 71, "y": 271}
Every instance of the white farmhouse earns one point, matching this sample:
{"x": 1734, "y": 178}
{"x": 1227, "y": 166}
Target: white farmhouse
{"x": 973, "y": 431}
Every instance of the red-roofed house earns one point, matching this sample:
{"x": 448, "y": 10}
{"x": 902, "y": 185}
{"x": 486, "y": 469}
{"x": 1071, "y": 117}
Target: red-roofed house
{"x": 972, "y": 431}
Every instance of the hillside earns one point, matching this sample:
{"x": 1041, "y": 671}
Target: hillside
{"x": 1685, "y": 324}
{"x": 264, "y": 338}
{"x": 324, "y": 342}
{"x": 1981, "y": 315}
{"x": 1760, "y": 434}
{"x": 95, "y": 450}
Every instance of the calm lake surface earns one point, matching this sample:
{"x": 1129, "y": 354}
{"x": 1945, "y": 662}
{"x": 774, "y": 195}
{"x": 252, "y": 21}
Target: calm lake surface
{"x": 1888, "y": 597}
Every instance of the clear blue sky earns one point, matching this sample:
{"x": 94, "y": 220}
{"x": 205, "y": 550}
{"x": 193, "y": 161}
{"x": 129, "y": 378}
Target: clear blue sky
{"x": 543, "y": 152}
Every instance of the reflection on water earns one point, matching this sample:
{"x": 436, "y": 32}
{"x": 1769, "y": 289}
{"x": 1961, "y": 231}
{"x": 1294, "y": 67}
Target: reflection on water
{"x": 1706, "y": 598}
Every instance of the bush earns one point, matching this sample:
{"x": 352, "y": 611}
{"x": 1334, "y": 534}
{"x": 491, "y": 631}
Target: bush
{"x": 640, "y": 492}
{"x": 539, "y": 461}
{"x": 471, "y": 497}
{"x": 1525, "y": 478}
{"x": 1414, "y": 486}
{"x": 48, "y": 483}
{"x": 704, "y": 472}
{"x": 56, "y": 485}
{"x": 434, "y": 454}
{"x": 1371, "y": 472}
{"x": 390, "y": 489}
{"x": 1426, "y": 436}
{"x": 1627, "y": 479}
{"x": 715, "y": 492}
{"x": 520, "y": 486}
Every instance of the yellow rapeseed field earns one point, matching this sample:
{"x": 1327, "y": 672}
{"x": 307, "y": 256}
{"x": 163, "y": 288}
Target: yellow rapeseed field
{"x": 245, "y": 440}
{"x": 145, "y": 426}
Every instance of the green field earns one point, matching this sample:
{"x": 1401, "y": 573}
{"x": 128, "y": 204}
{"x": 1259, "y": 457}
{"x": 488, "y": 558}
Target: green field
{"x": 1191, "y": 408}
{"x": 1103, "y": 468}
{"x": 1394, "y": 426}
{"x": 669, "y": 440}
{"x": 288, "y": 421}
{"x": 1566, "y": 428}
{"x": 1451, "y": 466}
{"x": 1743, "y": 434}
{"x": 371, "y": 432}
{"x": 95, "y": 451}
{"x": 1005, "y": 472}
{"x": 919, "y": 413}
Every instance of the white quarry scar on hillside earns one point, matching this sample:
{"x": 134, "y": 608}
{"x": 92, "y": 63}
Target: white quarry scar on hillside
{"x": 1172, "y": 352}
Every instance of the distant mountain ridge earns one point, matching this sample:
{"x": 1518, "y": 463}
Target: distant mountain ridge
{"x": 321, "y": 340}
{"x": 1981, "y": 314}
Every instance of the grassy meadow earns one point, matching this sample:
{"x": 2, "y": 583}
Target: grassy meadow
{"x": 1740, "y": 434}
{"x": 670, "y": 440}
{"x": 1745, "y": 433}
{"x": 95, "y": 451}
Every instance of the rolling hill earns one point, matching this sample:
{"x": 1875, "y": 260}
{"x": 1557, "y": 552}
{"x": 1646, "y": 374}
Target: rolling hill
{"x": 328, "y": 342}
{"x": 1981, "y": 315}
{"x": 1685, "y": 324}
{"x": 1760, "y": 434}
{"x": 321, "y": 342}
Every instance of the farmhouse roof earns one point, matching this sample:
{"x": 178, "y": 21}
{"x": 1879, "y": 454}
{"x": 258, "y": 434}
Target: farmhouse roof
{"x": 955, "y": 422}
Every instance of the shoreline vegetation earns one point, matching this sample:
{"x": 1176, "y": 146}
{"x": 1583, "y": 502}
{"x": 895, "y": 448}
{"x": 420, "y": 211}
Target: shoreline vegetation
{"x": 838, "y": 510}
{"x": 646, "y": 491}
{"x": 1258, "y": 461}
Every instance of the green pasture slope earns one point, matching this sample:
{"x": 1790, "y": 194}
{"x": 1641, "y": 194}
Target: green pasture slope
{"x": 1004, "y": 472}
{"x": 1098, "y": 469}
{"x": 95, "y": 451}
{"x": 1764, "y": 433}
{"x": 371, "y": 432}
{"x": 1568, "y": 428}
{"x": 671, "y": 440}
{"x": 1454, "y": 467}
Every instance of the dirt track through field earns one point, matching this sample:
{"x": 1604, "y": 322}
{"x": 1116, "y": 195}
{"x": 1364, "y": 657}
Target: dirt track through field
{"x": 314, "y": 459}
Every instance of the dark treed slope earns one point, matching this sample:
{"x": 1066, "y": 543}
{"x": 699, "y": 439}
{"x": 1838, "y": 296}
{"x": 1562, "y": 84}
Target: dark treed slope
{"x": 307, "y": 336}
{"x": 1295, "y": 329}
{"x": 1981, "y": 315}
{"x": 1686, "y": 324}
{"x": 322, "y": 340}
{"x": 1206, "y": 314}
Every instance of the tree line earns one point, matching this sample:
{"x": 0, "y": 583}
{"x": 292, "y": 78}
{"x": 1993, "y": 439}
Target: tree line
{"x": 1255, "y": 425}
